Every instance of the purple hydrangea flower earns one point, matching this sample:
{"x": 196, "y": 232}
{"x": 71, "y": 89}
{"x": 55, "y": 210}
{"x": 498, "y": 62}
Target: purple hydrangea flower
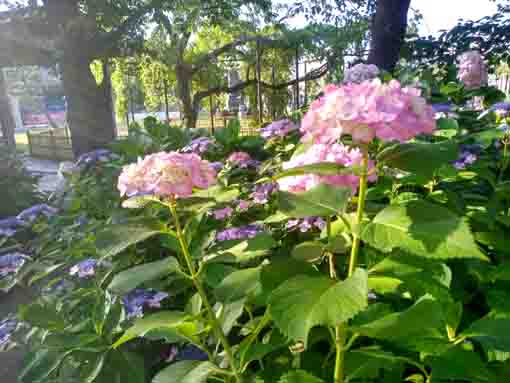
{"x": 278, "y": 129}
{"x": 91, "y": 158}
{"x": 84, "y": 269}
{"x": 262, "y": 192}
{"x": 242, "y": 160}
{"x": 198, "y": 145}
{"x": 500, "y": 108}
{"x": 136, "y": 299}
{"x": 222, "y": 213}
{"x": 468, "y": 156}
{"x": 442, "y": 107}
{"x": 243, "y": 205}
{"x": 31, "y": 214}
{"x": 7, "y": 328}
{"x": 306, "y": 224}
{"x": 11, "y": 263}
{"x": 236, "y": 233}
{"x": 9, "y": 226}
{"x": 216, "y": 166}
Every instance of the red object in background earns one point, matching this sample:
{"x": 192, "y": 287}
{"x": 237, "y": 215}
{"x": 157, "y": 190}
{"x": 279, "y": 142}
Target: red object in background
{"x": 30, "y": 119}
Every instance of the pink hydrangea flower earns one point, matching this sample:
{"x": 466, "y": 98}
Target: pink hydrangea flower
{"x": 222, "y": 213}
{"x": 337, "y": 153}
{"x": 368, "y": 110}
{"x": 166, "y": 174}
{"x": 243, "y": 205}
{"x": 361, "y": 72}
{"x": 472, "y": 70}
{"x": 239, "y": 157}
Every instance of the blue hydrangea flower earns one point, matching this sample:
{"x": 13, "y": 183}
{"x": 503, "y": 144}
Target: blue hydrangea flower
{"x": 198, "y": 145}
{"x": 31, "y": 214}
{"x": 236, "y": 233}
{"x": 262, "y": 192}
{"x": 9, "y": 226}
{"x": 216, "y": 166}
{"x": 136, "y": 299}
{"x": 86, "y": 268}
{"x": 11, "y": 263}
{"x": 7, "y": 328}
{"x": 174, "y": 353}
{"x": 442, "y": 107}
{"x": 501, "y": 108}
{"x": 91, "y": 158}
{"x": 279, "y": 128}
{"x": 468, "y": 156}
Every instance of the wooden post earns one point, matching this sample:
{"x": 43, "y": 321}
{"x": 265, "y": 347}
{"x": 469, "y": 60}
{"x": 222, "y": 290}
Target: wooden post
{"x": 296, "y": 88}
{"x": 211, "y": 113}
{"x": 167, "y": 113}
{"x": 260, "y": 107}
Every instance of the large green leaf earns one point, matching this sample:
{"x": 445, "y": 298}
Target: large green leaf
{"x": 493, "y": 333}
{"x": 419, "y": 321}
{"x": 323, "y": 200}
{"x": 242, "y": 251}
{"x": 164, "y": 320}
{"x": 306, "y": 301}
{"x": 40, "y": 364}
{"x": 321, "y": 168}
{"x": 299, "y": 376}
{"x": 422, "y": 229}
{"x": 238, "y": 285}
{"x": 116, "y": 238}
{"x": 187, "y": 371}
{"x": 366, "y": 363}
{"x": 131, "y": 278}
{"x": 459, "y": 365}
{"x": 419, "y": 158}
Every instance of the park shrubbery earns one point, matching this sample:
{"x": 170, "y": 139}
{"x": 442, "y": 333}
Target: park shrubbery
{"x": 364, "y": 243}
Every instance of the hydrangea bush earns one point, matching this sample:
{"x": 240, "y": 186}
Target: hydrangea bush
{"x": 364, "y": 243}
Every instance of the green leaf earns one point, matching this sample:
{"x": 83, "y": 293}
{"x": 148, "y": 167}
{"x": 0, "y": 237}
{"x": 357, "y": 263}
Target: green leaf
{"x": 448, "y": 124}
{"x": 422, "y": 229}
{"x": 116, "y": 238}
{"x": 91, "y": 370}
{"x": 167, "y": 320}
{"x": 239, "y": 284}
{"x": 299, "y": 376}
{"x": 129, "y": 279}
{"x": 323, "y": 200}
{"x": 187, "y": 371}
{"x": 41, "y": 316}
{"x": 40, "y": 364}
{"x": 308, "y": 251}
{"x": 493, "y": 333}
{"x": 419, "y": 158}
{"x": 459, "y": 365}
{"x": 242, "y": 251}
{"x": 321, "y": 168}
{"x": 230, "y": 313}
{"x": 305, "y": 301}
{"x": 367, "y": 363}
{"x": 139, "y": 201}
{"x": 426, "y": 314}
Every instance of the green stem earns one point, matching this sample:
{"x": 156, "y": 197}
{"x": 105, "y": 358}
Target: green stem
{"x": 341, "y": 330}
{"x": 359, "y": 215}
{"x": 504, "y": 165}
{"x": 213, "y": 321}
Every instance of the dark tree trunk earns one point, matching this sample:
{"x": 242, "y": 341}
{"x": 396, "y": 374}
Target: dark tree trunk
{"x": 189, "y": 106}
{"x": 388, "y": 30}
{"x": 89, "y": 105}
{"x": 7, "y": 122}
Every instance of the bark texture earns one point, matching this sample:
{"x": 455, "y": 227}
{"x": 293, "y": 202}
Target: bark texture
{"x": 6, "y": 118}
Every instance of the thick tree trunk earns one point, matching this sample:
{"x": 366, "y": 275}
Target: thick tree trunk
{"x": 7, "y": 121}
{"x": 189, "y": 107}
{"x": 388, "y": 30}
{"x": 89, "y": 105}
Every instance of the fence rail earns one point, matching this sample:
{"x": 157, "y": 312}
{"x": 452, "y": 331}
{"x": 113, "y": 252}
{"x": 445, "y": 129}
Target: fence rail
{"x": 56, "y": 143}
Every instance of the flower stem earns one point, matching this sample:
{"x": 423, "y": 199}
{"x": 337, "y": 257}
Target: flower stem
{"x": 213, "y": 321}
{"x": 341, "y": 329}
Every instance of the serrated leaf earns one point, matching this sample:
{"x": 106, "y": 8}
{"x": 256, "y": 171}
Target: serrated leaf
{"x": 457, "y": 364}
{"x": 133, "y": 277}
{"x": 239, "y": 284}
{"x": 493, "y": 333}
{"x": 303, "y": 302}
{"x": 323, "y": 200}
{"x": 167, "y": 320}
{"x": 308, "y": 251}
{"x": 187, "y": 371}
{"x": 422, "y": 229}
{"x": 116, "y": 238}
{"x": 299, "y": 376}
{"x": 419, "y": 158}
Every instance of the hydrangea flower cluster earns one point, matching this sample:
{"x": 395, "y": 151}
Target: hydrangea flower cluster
{"x": 7, "y": 328}
{"x": 279, "y": 128}
{"x": 92, "y": 158}
{"x": 262, "y": 192}
{"x": 9, "y": 226}
{"x": 502, "y": 109}
{"x": 337, "y": 153}
{"x": 242, "y": 160}
{"x": 368, "y": 110}
{"x": 223, "y": 213}
{"x": 361, "y": 72}
{"x": 166, "y": 174}
{"x": 217, "y": 166}
{"x": 31, "y": 214}
{"x": 442, "y": 108}
{"x": 243, "y": 205}
{"x": 468, "y": 156}
{"x": 87, "y": 268}
{"x": 306, "y": 224}
{"x": 472, "y": 70}
{"x": 136, "y": 299}
{"x": 187, "y": 352}
{"x": 236, "y": 233}
{"x": 199, "y": 145}
{"x": 11, "y": 263}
